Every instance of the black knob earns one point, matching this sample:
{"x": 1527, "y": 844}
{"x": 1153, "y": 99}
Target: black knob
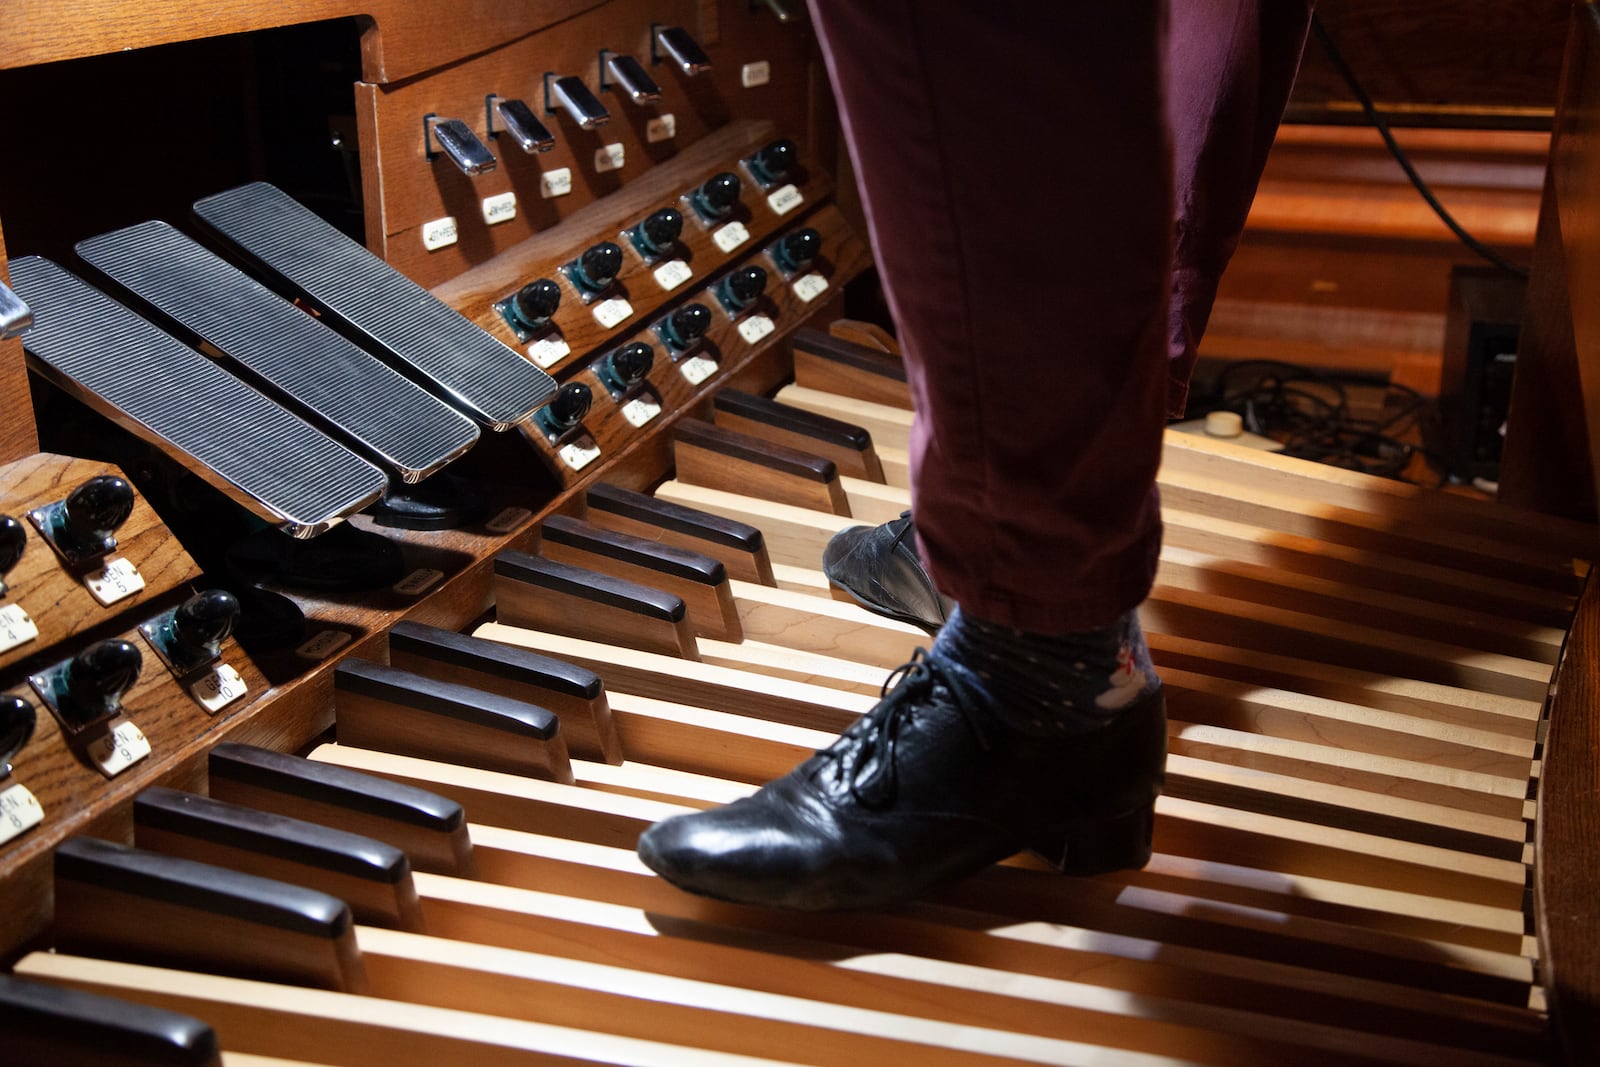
{"x": 773, "y": 163}
{"x": 717, "y": 196}
{"x": 13, "y": 541}
{"x": 659, "y": 232}
{"x": 741, "y": 288}
{"x": 570, "y": 405}
{"x": 97, "y": 507}
{"x": 598, "y": 266}
{"x": 688, "y": 324}
{"x": 795, "y": 251}
{"x": 99, "y": 675}
{"x": 201, "y": 623}
{"x": 16, "y": 726}
{"x": 535, "y": 302}
{"x": 630, "y": 363}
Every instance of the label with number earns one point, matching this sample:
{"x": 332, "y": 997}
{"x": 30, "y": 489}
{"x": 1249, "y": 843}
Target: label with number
{"x": 661, "y": 128}
{"x": 754, "y": 327}
{"x": 507, "y": 520}
{"x": 548, "y": 350}
{"x": 553, "y": 183}
{"x": 323, "y": 645}
{"x": 784, "y": 200}
{"x": 440, "y": 233}
{"x": 418, "y": 581}
{"x": 119, "y": 580}
{"x": 730, "y": 236}
{"x": 19, "y": 812}
{"x": 753, "y": 74}
{"x": 580, "y": 453}
{"x": 810, "y": 286}
{"x": 697, "y": 369}
{"x": 16, "y": 627}
{"x": 219, "y": 688}
{"x": 640, "y": 410}
{"x": 609, "y": 157}
{"x": 501, "y": 208}
{"x": 119, "y": 749}
{"x": 609, "y": 313}
{"x": 673, "y": 273}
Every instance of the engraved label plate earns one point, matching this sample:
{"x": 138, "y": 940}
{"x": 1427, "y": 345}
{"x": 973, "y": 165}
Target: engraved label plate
{"x": 501, "y": 208}
{"x": 323, "y": 645}
{"x": 609, "y": 157}
{"x": 697, "y": 369}
{"x": 661, "y": 128}
{"x": 580, "y": 453}
{"x": 16, "y": 627}
{"x": 440, "y": 233}
{"x": 120, "y": 580}
{"x": 119, "y": 749}
{"x": 754, "y": 74}
{"x": 673, "y": 273}
{"x": 754, "y": 327}
{"x": 219, "y": 688}
{"x": 418, "y": 581}
{"x": 640, "y": 410}
{"x": 553, "y": 183}
{"x": 609, "y": 313}
{"x": 507, "y": 520}
{"x": 19, "y": 812}
{"x": 784, "y": 200}
{"x": 810, "y": 286}
{"x": 730, "y": 236}
{"x": 549, "y": 349}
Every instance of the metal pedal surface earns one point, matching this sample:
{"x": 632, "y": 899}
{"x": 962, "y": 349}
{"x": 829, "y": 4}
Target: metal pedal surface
{"x": 484, "y": 378}
{"x": 261, "y": 455}
{"x": 391, "y": 418}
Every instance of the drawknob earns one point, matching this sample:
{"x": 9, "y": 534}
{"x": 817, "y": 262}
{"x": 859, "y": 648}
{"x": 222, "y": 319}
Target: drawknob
{"x": 597, "y": 267}
{"x": 742, "y": 288}
{"x": 95, "y": 509}
{"x": 13, "y": 541}
{"x": 684, "y": 327}
{"x": 717, "y": 196}
{"x": 658, "y": 233}
{"x": 16, "y": 727}
{"x": 570, "y": 405}
{"x": 201, "y": 623}
{"x": 97, "y": 677}
{"x": 535, "y": 303}
{"x": 773, "y": 163}
{"x": 629, "y": 364}
{"x": 795, "y": 251}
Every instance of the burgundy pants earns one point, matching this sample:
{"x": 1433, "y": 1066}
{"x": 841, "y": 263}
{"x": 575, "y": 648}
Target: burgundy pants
{"x": 1052, "y": 192}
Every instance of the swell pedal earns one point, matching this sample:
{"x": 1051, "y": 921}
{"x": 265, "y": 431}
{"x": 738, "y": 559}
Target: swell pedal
{"x": 270, "y": 461}
{"x": 473, "y": 372}
{"x": 390, "y": 418}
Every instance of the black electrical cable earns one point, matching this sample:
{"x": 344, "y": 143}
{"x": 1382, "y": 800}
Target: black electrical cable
{"x": 1400, "y": 157}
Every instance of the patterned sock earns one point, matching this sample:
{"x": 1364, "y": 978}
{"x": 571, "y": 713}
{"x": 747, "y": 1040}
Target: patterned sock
{"x": 1050, "y": 684}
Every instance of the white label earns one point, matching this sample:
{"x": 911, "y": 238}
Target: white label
{"x": 19, "y": 811}
{"x": 502, "y": 208}
{"x": 580, "y": 453}
{"x": 440, "y": 233}
{"x": 754, "y": 327}
{"x": 609, "y": 313}
{"x": 418, "y": 581}
{"x": 508, "y": 520}
{"x": 673, "y": 273}
{"x": 754, "y": 74}
{"x": 547, "y": 350}
{"x": 16, "y": 627}
{"x": 697, "y": 369}
{"x": 120, "y": 579}
{"x": 121, "y": 748}
{"x": 221, "y": 687}
{"x": 785, "y": 200}
{"x": 661, "y": 128}
{"x": 556, "y": 182}
{"x": 640, "y": 410}
{"x": 609, "y": 157}
{"x": 323, "y": 645}
{"x": 730, "y": 236}
{"x": 810, "y": 286}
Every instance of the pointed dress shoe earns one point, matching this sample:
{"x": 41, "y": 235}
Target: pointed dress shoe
{"x": 923, "y": 789}
{"x": 880, "y": 568}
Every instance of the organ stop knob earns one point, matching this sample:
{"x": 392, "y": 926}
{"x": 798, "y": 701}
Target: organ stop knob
{"x": 796, "y": 251}
{"x": 565, "y": 413}
{"x": 656, "y": 235}
{"x": 13, "y": 542}
{"x": 627, "y": 366}
{"x": 594, "y": 270}
{"x": 535, "y": 303}
{"x": 16, "y": 727}
{"x": 681, "y": 329}
{"x": 190, "y": 636}
{"x": 82, "y": 525}
{"x": 717, "y": 196}
{"x": 86, "y": 690}
{"x": 742, "y": 288}
{"x": 772, "y": 164}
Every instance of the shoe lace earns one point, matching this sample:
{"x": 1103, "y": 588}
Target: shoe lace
{"x": 866, "y": 751}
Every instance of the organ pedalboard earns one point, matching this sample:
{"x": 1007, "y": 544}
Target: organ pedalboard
{"x": 496, "y": 537}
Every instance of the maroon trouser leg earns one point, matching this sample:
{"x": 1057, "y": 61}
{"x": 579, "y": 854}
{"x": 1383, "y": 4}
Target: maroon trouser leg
{"x": 1038, "y": 177}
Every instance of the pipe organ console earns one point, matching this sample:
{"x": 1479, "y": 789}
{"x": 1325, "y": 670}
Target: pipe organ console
{"x": 367, "y": 590}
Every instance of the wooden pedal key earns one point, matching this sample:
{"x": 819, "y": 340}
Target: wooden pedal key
{"x": 541, "y": 594}
{"x": 834, "y": 364}
{"x": 739, "y": 546}
{"x": 719, "y": 458}
{"x": 848, "y": 446}
{"x": 48, "y": 1023}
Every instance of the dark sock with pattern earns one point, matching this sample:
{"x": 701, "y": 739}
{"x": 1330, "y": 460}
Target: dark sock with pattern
{"x": 1050, "y": 684}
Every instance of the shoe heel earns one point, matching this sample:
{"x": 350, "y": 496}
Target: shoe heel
{"x": 1096, "y": 846}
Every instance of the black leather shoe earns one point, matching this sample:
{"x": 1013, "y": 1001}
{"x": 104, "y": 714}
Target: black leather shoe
{"x": 925, "y": 788}
{"x": 880, "y": 568}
